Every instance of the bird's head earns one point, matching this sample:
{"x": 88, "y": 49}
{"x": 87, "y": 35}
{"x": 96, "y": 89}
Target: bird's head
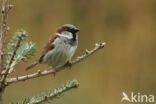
{"x": 68, "y": 30}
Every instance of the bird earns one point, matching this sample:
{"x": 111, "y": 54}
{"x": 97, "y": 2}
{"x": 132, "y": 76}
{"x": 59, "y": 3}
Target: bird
{"x": 60, "y": 48}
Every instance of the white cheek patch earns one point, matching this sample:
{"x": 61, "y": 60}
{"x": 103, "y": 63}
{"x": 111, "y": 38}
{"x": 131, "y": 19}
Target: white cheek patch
{"x": 67, "y": 35}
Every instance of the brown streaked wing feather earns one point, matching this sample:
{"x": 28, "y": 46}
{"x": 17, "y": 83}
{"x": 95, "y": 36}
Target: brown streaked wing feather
{"x": 49, "y": 46}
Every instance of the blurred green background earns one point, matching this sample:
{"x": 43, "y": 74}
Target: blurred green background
{"x": 126, "y": 64}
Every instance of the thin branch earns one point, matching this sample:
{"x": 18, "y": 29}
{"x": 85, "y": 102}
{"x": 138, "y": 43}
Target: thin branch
{"x": 52, "y": 71}
{"x": 4, "y": 30}
{"x": 48, "y": 96}
{"x": 3, "y": 33}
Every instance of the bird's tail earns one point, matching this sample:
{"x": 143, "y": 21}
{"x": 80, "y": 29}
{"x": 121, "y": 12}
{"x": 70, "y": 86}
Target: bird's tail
{"x": 32, "y": 65}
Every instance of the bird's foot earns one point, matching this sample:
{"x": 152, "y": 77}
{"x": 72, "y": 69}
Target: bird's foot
{"x": 54, "y": 72}
{"x": 69, "y": 64}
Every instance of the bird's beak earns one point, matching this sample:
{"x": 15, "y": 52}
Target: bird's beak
{"x": 77, "y": 30}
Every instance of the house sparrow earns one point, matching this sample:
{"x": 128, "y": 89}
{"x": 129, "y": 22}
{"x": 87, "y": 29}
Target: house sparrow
{"x": 60, "y": 48}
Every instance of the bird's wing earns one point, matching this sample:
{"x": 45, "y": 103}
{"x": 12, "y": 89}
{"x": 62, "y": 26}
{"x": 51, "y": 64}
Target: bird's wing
{"x": 49, "y": 46}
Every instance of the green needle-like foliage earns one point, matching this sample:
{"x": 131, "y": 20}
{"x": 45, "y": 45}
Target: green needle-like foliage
{"x": 48, "y": 96}
{"x": 24, "y": 49}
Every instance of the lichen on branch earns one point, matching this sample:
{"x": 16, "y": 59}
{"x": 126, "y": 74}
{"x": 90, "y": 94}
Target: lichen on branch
{"x": 18, "y": 49}
{"x": 24, "y": 49}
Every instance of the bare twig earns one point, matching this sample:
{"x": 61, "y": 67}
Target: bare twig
{"x": 3, "y": 32}
{"x": 52, "y": 71}
{"x": 4, "y": 29}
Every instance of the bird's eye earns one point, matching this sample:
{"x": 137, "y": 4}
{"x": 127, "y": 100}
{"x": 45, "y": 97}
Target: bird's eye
{"x": 69, "y": 29}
